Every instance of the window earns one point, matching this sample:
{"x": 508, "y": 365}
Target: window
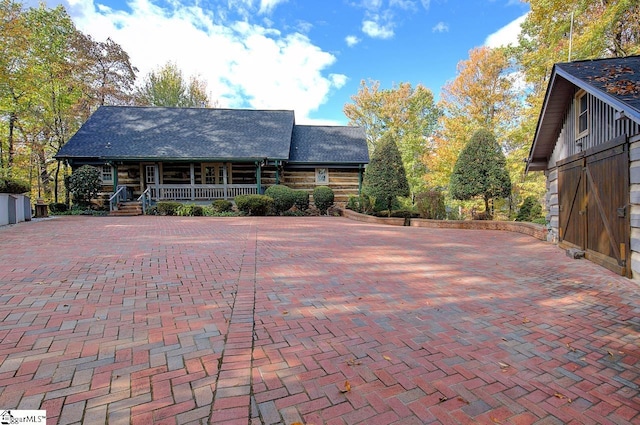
{"x": 214, "y": 173}
{"x": 209, "y": 174}
{"x": 107, "y": 174}
{"x": 582, "y": 114}
{"x": 150, "y": 174}
{"x": 322, "y": 176}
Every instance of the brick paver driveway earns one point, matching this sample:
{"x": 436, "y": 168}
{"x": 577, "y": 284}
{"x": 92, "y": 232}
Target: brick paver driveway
{"x": 176, "y": 320}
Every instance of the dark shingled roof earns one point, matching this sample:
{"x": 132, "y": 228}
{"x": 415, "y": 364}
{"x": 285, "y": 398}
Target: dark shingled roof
{"x": 325, "y": 144}
{"x": 615, "y": 81}
{"x": 151, "y": 133}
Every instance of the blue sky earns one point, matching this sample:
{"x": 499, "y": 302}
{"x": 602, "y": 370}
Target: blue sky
{"x": 304, "y": 55}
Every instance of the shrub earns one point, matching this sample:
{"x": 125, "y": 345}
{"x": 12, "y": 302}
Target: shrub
{"x": 362, "y": 204}
{"x": 84, "y": 184}
{"x": 301, "y": 199}
{"x": 254, "y": 204}
{"x": 221, "y": 206}
{"x": 168, "y": 207}
{"x": 530, "y": 210}
{"x": 189, "y": 210}
{"x": 323, "y": 198}
{"x": 283, "y": 197}
{"x": 13, "y": 186}
{"x": 431, "y": 205}
{"x": 58, "y": 207}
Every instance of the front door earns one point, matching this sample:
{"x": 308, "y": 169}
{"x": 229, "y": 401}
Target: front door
{"x": 151, "y": 178}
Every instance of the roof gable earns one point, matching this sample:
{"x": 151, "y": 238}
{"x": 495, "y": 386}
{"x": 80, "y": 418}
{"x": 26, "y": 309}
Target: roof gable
{"x": 615, "y": 81}
{"x": 329, "y": 144}
{"x": 122, "y": 132}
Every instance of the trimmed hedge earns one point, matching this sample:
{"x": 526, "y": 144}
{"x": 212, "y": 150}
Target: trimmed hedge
{"x": 222, "y": 206}
{"x": 283, "y": 197}
{"x": 189, "y": 210}
{"x": 301, "y": 199}
{"x": 323, "y": 198}
{"x": 254, "y": 204}
{"x": 168, "y": 207}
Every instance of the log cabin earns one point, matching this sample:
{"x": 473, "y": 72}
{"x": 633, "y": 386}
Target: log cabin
{"x": 204, "y": 154}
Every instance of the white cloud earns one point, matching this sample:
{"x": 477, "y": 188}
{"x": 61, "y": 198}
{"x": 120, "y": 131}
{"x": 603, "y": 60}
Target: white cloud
{"x": 266, "y": 6}
{"x": 507, "y": 35}
{"x": 403, "y": 4}
{"x": 376, "y": 30}
{"x": 244, "y": 65}
{"x": 351, "y": 40}
{"x": 440, "y": 27}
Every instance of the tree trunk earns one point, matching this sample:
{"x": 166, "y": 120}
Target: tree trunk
{"x": 11, "y": 152}
{"x": 486, "y": 206}
{"x": 55, "y": 180}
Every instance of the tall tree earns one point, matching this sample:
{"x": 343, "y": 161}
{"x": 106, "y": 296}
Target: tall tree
{"x": 51, "y": 77}
{"x": 407, "y": 114}
{"x": 166, "y": 86}
{"x": 105, "y": 71}
{"x": 481, "y": 170}
{"x": 483, "y": 95}
{"x": 385, "y": 177}
{"x": 13, "y": 77}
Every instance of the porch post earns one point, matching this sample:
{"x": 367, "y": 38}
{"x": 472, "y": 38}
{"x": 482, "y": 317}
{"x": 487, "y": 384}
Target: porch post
{"x": 259, "y": 176}
{"x": 224, "y": 180}
{"x": 156, "y": 178}
{"x": 360, "y": 179}
{"x": 192, "y": 173}
{"x": 115, "y": 176}
{"x": 277, "y": 173}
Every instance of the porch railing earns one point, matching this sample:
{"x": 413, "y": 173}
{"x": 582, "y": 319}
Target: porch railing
{"x": 117, "y": 197}
{"x": 182, "y": 192}
{"x": 145, "y": 200}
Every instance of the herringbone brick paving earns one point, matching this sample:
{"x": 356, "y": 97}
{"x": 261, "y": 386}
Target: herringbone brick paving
{"x": 278, "y": 320}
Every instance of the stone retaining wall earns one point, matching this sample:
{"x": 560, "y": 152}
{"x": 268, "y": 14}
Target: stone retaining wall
{"x": 538, "y": 231}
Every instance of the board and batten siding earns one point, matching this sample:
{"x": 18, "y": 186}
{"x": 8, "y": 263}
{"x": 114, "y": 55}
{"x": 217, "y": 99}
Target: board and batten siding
{"x": 603, "y": 127}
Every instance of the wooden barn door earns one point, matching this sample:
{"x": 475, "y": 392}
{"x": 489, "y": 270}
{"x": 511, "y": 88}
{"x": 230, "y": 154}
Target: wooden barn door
{"x": 607, "y": 174}
{"x": 572, "y": 199}
{"x": 594, "y": 205}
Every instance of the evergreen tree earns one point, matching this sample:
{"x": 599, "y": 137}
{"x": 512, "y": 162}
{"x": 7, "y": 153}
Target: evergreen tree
{"x": 385, "y": 178}
{"x": 480, "y": 170}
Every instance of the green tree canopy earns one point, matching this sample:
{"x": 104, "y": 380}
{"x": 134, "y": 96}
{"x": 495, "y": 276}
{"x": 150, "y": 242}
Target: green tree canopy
{"x": 406, "y": 113}
{"x": 480, "y": 170}
{"x": 385, "y": 178}
{"x": 51, "y": 77}
{"x": 167, "y": 87}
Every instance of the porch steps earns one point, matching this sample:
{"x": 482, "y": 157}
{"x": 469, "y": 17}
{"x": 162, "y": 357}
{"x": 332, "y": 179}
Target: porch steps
{"x": 128, "y": 209}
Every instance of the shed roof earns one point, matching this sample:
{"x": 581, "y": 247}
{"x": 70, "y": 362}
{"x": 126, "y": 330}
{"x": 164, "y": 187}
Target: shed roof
{"x": 152, "y": 133}
{"x": 327, "y": 144}
{"x": 615, "y": 81}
